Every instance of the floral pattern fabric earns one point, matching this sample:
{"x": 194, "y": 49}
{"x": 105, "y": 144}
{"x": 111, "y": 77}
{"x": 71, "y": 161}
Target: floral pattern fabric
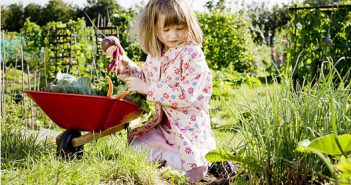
{"x": 181, "y": 86}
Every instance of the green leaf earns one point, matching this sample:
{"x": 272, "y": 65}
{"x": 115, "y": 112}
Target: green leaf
{"x": 219, "y": 156}
{"x": 344, "y": 179}
{"x": 326, "y": 144}
{"x": 344, "y": 165}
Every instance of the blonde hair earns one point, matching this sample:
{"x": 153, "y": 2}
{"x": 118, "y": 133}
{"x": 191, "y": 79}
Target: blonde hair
{"x": 176, "y": 12}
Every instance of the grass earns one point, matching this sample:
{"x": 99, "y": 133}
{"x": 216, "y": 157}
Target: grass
{"x": 108, "y": 161}
{"x": 225, "y": 110}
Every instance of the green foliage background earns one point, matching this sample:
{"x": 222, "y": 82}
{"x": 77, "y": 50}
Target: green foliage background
{"x": 320, "y": 35}
{"x": 224, "y": 44}
{"x": 227, "y": 41}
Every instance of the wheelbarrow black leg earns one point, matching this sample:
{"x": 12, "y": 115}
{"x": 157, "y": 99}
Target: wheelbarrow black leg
{"x": 127, "y": 127}
{"x": 65, "y": 149}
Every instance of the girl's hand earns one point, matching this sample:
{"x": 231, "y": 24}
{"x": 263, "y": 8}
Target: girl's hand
{"x": 116, "y": 52}
{"x": 136, "y": 84}
{"x": 118, "y": 44}
{"x": 122, "y": 53}
{"x": 122, "y": 77}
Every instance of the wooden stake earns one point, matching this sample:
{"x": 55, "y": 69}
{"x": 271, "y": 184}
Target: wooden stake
{"x": 2, "y": 73}
{"x": 22, "y": 67}
{"x": 2, "y": 81}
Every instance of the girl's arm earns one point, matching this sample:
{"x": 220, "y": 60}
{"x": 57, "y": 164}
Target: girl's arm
{"x": 195, "y": 85}
{"x": 130, "y": 69}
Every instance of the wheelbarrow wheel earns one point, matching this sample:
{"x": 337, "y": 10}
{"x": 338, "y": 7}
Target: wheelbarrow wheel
{"x": 65, "y": 148}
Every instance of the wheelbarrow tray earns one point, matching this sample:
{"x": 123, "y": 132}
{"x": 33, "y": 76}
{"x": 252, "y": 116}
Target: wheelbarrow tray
{"x": 85, "y": 112}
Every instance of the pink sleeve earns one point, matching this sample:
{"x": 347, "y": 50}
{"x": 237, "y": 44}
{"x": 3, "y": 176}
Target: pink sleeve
{"x": 132, "y": 69}
{"x": 196, "y": 77}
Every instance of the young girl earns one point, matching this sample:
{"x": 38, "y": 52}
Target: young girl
{"x": 176, "y": 77}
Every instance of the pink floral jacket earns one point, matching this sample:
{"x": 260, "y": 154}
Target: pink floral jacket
{"x": 180, "y": 85}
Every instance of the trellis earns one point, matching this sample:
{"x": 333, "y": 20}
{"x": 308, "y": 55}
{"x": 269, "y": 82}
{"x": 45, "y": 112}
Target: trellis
{"x": 61, "y": 42}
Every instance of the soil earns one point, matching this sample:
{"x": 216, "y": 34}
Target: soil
{"x": 211, "y": 180}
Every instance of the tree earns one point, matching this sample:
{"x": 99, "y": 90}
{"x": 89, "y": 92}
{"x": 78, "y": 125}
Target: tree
{"x": 265, "y": 22}
{"x": 209, "y": 5}
{"x": 104, "y": 8}
{"x": 4, "y": 16}
{"x": 14, "y": 17}
{"x": 57, "y": 10}
{"x": 220, "y": 5}
{"x": 322, "y": 2}
{"x": 34, "y": 12}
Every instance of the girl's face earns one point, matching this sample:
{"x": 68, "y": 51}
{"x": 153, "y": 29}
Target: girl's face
{"x": 171, "y": 36}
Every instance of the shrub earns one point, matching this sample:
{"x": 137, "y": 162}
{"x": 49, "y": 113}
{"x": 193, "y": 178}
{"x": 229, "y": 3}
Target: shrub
{"x": 227, "y": 41}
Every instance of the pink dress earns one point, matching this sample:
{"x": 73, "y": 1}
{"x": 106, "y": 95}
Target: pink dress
{"x": 180, "y": 131}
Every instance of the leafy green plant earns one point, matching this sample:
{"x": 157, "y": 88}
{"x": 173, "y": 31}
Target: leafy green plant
{"x": 69, "y": 84}
{"x": 332, "y": 145}
{"x": 32, "y": 35}
{"x": 269, "y": 130}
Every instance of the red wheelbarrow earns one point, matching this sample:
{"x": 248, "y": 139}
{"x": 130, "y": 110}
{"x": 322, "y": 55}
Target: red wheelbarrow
{"x": 100, "y": 115}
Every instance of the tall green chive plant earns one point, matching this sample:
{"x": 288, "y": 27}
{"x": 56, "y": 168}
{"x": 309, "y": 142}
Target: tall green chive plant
{"x": 272, "y": 129}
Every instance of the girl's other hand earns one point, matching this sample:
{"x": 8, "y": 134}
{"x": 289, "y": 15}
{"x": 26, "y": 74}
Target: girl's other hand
{"x": 122, "y": 77}
{"x": 136, "y": 84}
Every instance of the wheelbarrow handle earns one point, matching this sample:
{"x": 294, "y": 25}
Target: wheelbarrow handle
{"x": 97, "y": 135}
{"x": 121, "y": 95}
